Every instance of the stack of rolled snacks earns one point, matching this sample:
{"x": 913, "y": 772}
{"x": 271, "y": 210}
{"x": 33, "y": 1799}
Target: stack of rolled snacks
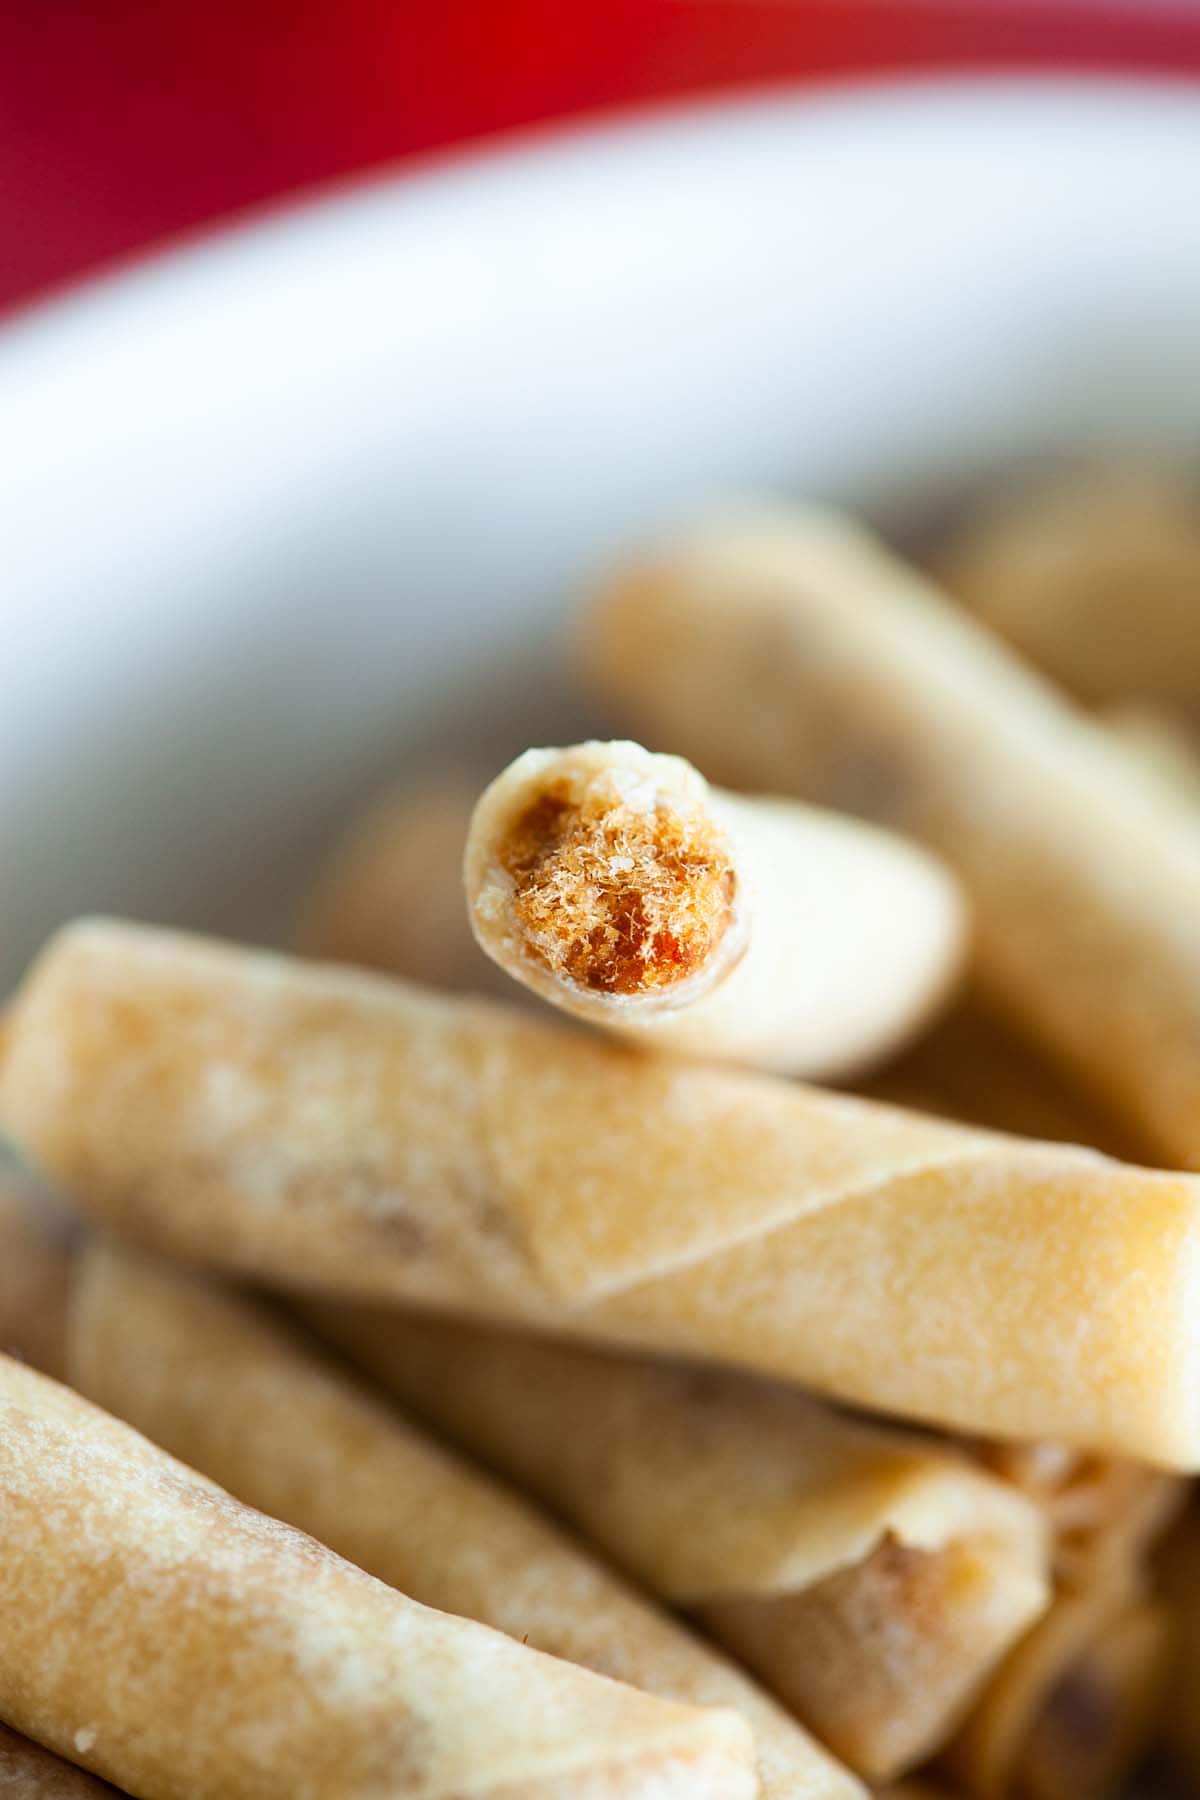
{"x": 882, "y": 1583}
{"x": 806, "y": 659}
{"x": 640, "y": 1283}
{"x": 872, "y": 1578}
{"x": 222, "y": 1383}
{"x": 177, "y": 1643}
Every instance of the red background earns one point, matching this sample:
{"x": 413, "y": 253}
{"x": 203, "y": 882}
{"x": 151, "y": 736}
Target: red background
{"x": 121, "y": 123}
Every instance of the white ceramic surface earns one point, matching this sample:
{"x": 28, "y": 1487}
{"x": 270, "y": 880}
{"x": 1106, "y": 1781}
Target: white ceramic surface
{"x": 279, "y": 507}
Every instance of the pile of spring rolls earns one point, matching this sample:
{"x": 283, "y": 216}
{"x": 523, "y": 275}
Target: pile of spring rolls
{"x": 666, "y": 1290}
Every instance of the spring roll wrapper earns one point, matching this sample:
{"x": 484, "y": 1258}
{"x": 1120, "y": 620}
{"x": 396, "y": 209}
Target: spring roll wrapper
{"x": 837, "y": 941}
{"x": 224, "y": 1385}
{"x": 803, "y": 658}
{"x": 390, "y": 895}
{"x": 871, "y": 1578}
{"x": 189, "y": 1648}
{"x": 1073, "y": 1707}
{"x": 28, "y": 1772}
{"x": 1094, "y": 576}
{"x": 320, "y": 1127}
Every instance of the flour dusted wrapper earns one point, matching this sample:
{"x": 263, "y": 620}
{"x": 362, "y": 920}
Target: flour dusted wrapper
{"x": 188, "y": 1648}
{"x": 872, "y": 1578}
{"x": 222, "y": 1383}
{"x": 321, "y": 1128}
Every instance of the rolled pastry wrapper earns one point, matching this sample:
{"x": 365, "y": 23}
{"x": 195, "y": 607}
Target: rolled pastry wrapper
{"x": 803, "y": 657}
{"x": 1074, "y": 1706}
{"x": 28, "y": 1772}
{"x": 221, "y": 1383}
{"x": 1093, "y": 575}
{"x": 1163, "y": 742}
{"x": 972, "y": 1068}
{"x": 619, "y": 886}
{"x": 318, "y": 1127}
{"x": 390, "y": 895}
{"x": 1178, "y": 1573}
{"x": 871, "y": 1578}
{"x": 189, "y": 1648}
{"x": 1105, "y": 1513}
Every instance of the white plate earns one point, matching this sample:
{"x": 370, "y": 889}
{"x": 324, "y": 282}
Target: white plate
{"x": 281, "y": 505}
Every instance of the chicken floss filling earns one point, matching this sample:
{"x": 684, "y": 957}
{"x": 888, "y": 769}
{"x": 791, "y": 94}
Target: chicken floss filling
{"x": 615, "y": 895}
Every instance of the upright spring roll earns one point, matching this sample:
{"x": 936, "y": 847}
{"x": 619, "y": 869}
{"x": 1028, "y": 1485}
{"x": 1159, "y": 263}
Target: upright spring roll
{"x": 390, "y": 895}
{"x": 319, "y": 1127}
{"x": 617, "y": 885}
{"x": 1073, "y": 1707}
{"x": 1093, "y": 575}
{"x": 224, "y": 1385}
{"x": 27, "y": 1772}
{"x": 872, "y": 1578}
{"x": 188, "y": 1648}
{"x": 804, "y": 658}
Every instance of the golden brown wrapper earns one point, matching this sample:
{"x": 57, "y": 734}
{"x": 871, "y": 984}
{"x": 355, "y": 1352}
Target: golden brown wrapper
{"x": 804, "y": 658}
{"x": 319, "y": 1127}
{"x": 1093, "y": 574}
{"x": 28, "y": 1772}
{"x": 1073, "y": 1708}
{"x": 616, "y": 884}
{"x": 225, "y": 1386}
{"x": 872, "y": 1578}
{"x": 189, "y": 1648}
{"x": 390, "y": 895}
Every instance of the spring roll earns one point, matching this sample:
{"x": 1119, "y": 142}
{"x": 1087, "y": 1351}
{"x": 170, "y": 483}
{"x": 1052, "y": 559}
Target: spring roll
{"x": 872, "y": 1578}
{"x": 804, "y": 657}
{"x": 188, "y": 1648}
{"x": 1178, "y": 1572}
{"x": 970, "y": 1068}
{"x": 390, "y": 896}
{"x": 1094, "y": 576}
{"x": 1073, "y": 1708}
{"x": 617, "y": 885}
{"x": 319, "y": 1127}
{"x": 222, "y": 1384}
{"x": 27, "y": 1772}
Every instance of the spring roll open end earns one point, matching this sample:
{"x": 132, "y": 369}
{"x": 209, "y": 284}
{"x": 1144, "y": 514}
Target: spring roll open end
{"x": 602, "y": 869}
